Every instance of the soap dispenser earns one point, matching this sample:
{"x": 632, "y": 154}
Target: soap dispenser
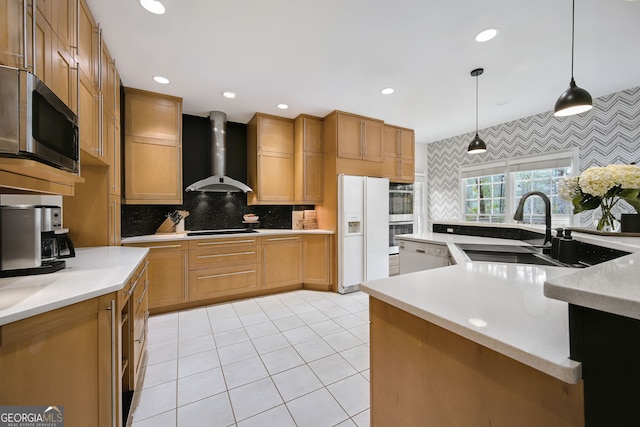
{"x": 555, "y": 242}
{"x": 568, "y": 249}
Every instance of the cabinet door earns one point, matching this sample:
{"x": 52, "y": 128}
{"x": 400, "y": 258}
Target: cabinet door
{"x": 407, "y": 170}
{"x": 313, "y": 177}
{"x": 63, "y": 21}
{"x": 64, "y": 81}
{"x": 407, "y": 143}
{"x": 275, "y": 177}
{"x": 12, "y": 33}
{"x": 153, "y": 173}
{"x": 349, "y": 137}
{"x": 41, "y": 59}
{"x": 391, "y": 146}
{"x": 275, "y": 135}
{"x": 87, "y": 43}
{"x": 316, "y": 259}
{"x": 107, "y": 79}
{"x": 88, "y": 116}
{"x": 390, "y": 168}
{"x": 39, "y": 352}
{"x": 313, "y": 135}
{"x": 281, "y": 261}
{"x": 152, "y": 116}
{"x": 167, "y": 278}
{"x": 372, "y": 141}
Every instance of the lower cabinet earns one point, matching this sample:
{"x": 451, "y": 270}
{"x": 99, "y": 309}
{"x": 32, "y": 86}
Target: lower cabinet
{"x": 65, "y": 357}
{"x": 282, "y": 260}
{"x": 183, "y": 273}
{"x": 316, "y": 261}
{"x": 223, "y": 267}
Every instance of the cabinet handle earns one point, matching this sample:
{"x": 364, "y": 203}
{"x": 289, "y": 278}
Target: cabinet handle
{"x": 112, "y": 308}
{"x": 225, "y": 255}
{"x": 273, "y": 239}
{"x": 77, "y": 46}
{"x": 144, "y": 291}
{"x": 165, "y": 246}
{"x": 225, "y": 242}
{"x": 185, "y": 288}
{"x": 25, "y": 45}
{"x": 421, "y": 251}
{"x": 226, "y": 274}
{"x": 99, "y": 57}
{"x": 364, "y": 140}
{"x": 33, "y": 34}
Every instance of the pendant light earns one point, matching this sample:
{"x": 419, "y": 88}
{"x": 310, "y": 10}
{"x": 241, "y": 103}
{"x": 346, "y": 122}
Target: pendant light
{"x": 477, "y": 145}
{"x": 574, "y": 100}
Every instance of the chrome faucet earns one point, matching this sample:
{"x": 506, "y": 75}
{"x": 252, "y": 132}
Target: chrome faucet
{"x": 518, "y": 216}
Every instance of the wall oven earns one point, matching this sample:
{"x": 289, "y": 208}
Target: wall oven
{"x": 35, "y": 123}
{"x": 400, "y": 213}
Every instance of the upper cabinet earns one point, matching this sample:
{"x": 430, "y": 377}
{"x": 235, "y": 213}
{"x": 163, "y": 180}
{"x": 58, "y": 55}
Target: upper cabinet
{"x": 153, "y": 148}
{"x": 270, "y": 160}
{"x": 399, "y": 148}
{"x": 13, "y": 33}
{"x": 308, "y": 163}
{"x": 359, "y": 138}
{"x": 88, "y": 44}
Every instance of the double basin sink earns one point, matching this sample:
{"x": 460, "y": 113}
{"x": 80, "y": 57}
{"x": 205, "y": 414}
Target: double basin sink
{"x": 511, "y": 255}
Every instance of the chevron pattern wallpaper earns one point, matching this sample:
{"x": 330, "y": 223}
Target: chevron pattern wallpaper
{"x": 608, "y": 133}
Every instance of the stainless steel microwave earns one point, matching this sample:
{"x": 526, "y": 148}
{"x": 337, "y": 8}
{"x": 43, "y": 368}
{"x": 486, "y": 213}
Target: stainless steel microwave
{"x": 35, "y": 123}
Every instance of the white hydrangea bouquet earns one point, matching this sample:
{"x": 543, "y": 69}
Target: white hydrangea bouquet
{"x": 603, "y": 187}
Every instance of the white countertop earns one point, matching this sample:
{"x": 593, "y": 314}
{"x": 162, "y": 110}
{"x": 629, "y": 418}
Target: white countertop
{"x": 504, "y": 307}
{"x": 163, "y": 237}
{"x": 92, "y": 273}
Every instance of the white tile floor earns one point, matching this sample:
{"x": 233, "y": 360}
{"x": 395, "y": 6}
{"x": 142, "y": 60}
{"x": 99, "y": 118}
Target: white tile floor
{"x": 293, "y": 359}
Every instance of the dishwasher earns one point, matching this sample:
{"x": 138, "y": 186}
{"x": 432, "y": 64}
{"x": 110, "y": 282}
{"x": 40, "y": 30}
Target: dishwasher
{"x": 418, "y": 256}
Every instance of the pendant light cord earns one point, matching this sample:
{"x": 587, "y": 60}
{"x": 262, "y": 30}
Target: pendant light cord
{"x": 476, "y": 105}
{"x": 573, "y": 30}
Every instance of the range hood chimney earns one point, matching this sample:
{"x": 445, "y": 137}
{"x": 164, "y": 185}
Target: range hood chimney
{"x": 219, "y": 182}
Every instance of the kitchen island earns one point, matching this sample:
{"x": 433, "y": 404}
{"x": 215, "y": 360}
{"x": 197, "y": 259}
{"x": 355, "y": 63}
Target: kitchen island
{"x": 67, "y": 338}
{"x": 476, "y": 343}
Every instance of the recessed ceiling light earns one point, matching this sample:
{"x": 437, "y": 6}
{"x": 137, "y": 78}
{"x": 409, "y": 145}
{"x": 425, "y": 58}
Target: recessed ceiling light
{"x": 228, "y": 94}
{"x": 282, "y": 106}
{"x": 161, "y": 80}
{"x": 486, "y": 35}
{"x": 387, "y": 91}
{"x": 153, "y": 6}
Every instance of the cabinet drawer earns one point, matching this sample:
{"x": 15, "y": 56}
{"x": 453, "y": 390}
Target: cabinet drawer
{"x": 140, "y": 298}
{"x": 285, "y": 238}
{"x": 219, "y": 254}
{"x": 177, "y": 245}
{"x": 139, "y": 343}
{"x": 216, "y": 243}
{"x": 223, "y": 281}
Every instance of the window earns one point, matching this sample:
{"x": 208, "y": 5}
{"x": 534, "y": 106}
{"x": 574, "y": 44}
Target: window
{"x": 491, "y": 192}
{"x": 485, "y": 198}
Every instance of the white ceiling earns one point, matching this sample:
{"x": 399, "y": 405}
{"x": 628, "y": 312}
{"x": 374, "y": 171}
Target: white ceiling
{"x": 319, "y": 56}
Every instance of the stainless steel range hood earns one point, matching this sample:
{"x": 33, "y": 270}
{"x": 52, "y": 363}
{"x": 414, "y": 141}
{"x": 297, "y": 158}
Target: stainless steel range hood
{"x": 218, "y": 182}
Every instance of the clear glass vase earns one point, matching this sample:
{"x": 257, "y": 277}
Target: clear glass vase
{"x": 604, "y": 218}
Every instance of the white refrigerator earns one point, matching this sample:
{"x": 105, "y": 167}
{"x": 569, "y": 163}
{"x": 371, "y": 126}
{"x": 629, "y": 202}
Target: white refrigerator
{"x": 363, "y": 230}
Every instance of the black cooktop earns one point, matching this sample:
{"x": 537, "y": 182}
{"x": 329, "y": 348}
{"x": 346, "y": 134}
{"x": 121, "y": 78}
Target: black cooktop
{"x": 222, "y": 231}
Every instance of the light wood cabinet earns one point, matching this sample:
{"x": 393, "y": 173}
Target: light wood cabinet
{"x": 40, "y": 53}
{"x": 89, "y": 124}
{"x": 64, "y": 16}
{"x": 282, "y": 260}
{"x": 111, "y": 139}
{"x": 359, "y": 138}
{"x": 12, "y": 33}
{"x": 88, "y": 45}
{"x": 316, "y": 261}
{"x": 270, "y": 160}
{"x": 114, "y": 219}
{"x": 41, "y": 362}
{"x": 64, "y": 81}
{"x": 138, "y": 315}
{"x": 168, "y": 274}
{"x": 153, "y": 148}
{"x": 399, "y": 149}
{"x": 223, "y": 267}
{"x": 308, "y": 159}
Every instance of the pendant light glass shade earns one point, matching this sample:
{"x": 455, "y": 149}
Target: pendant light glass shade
{"x": 574, "y": 100}
{"x": 477, "y": 145}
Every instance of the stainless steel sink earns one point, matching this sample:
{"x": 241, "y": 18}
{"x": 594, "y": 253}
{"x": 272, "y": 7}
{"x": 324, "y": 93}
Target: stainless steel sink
{"x": 510, "y": 255}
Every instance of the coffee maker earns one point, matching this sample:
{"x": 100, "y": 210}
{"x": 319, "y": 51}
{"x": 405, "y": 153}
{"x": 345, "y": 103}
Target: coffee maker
{"x": 32, "y": 240}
